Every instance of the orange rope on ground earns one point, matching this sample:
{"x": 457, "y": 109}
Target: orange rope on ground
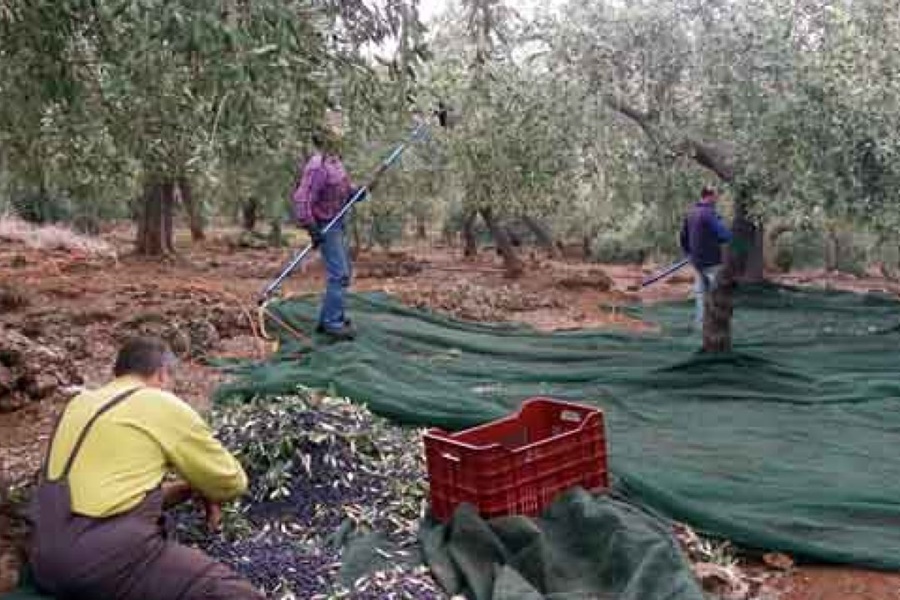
{"x": 278, "y": 321}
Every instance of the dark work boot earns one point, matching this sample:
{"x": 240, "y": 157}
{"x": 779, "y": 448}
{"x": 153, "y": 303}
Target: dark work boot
{"x": 344, "y": 333}
{"x": 321, "y": 328}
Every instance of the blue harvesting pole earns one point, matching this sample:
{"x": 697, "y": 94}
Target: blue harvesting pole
{"x": 670, "y": 270}
{"x": 273, "y": 287}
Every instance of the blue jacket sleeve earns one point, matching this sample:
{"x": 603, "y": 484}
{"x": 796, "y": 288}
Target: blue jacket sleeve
{"x": 720, "y": 230}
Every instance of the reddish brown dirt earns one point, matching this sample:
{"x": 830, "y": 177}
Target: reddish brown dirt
{"x": 85, "y": 307}
{"x": 822, "y": 583}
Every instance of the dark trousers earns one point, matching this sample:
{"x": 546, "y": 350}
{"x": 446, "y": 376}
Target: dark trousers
{"x": 125, "y": 557}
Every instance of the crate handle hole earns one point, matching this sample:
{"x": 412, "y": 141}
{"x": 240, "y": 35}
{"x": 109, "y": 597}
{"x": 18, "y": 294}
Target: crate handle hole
{"x": 571, "y": 416}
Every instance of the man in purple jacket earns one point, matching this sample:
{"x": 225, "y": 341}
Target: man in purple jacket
{"x": 702, "y": 236}
{"x": 323, "y": 189}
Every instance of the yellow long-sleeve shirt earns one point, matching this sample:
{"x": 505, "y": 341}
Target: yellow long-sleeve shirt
{"x": 132, "y": 447}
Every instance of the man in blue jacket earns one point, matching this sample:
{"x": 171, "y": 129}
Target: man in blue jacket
{"x": 702, "y": 236}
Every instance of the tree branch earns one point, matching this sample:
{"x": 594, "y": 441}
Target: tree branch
{"x": 717, "y": 156}
{"x": 644, "y": 119}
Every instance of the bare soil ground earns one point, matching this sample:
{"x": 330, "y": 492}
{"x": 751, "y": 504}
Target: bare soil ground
{"x": 79, "y": 308}
{"x": 823, "y": 583}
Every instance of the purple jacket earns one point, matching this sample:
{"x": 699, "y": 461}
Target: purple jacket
{"x": 323, "y": 189}
{"x": 702, "y": 236}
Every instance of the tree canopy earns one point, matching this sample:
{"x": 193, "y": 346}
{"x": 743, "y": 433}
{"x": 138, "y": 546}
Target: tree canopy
{"x": 599, "y": 119}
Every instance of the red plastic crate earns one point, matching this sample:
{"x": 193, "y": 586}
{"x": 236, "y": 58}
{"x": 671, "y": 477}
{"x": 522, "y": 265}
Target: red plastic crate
{"x": 519, "y": 464}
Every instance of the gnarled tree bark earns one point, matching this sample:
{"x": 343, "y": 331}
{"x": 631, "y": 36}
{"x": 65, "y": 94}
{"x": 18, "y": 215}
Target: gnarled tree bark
{"x": 543, "y": 235}
{"x": 193, "y": 209}
{"x": 586, "y": 243}
{"x": 719, "y": 308}
{"x": 773, "y": 234}
{"x": 470, "y": 244}
{"x": 832, "y": 249}
{"x": 421, "y": 227}
{"x": 276, "y": 236}
{"x": 511, "y": 262}
{"x": 749, "y": 266}
{"x": 155, "y": 235}
{"x": 250, "y": 214}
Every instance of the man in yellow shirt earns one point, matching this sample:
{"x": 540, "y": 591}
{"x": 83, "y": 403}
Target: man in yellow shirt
{"x": 98, "y": 512}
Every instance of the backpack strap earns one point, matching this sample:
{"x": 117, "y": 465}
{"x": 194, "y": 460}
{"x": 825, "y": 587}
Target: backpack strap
{"x": 81, "y": 437}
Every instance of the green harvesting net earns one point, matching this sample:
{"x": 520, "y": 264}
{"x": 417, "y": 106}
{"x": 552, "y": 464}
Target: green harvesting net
{"x": 627, "y": 555}
{"x": 787, "y": 444}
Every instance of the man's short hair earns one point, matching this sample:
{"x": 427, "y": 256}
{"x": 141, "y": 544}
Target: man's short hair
{"x": 143, "y": 356}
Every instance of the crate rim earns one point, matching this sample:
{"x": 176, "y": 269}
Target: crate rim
{"x": 442, "y": 435}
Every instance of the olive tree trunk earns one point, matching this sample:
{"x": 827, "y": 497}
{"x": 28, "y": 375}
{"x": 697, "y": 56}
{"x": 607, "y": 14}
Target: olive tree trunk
{"x": 543, "y": 235}
{"x": 511, "y": 262}
{"x": 719, "y": 308}
{"x": 193, "y": 209}
{"x": 742, "y": 261}
{"x": 832, "y": 250}
{"x": 250, "y": 214}
{"x": 155, "y": 234}
{"x": 470, "y": 244}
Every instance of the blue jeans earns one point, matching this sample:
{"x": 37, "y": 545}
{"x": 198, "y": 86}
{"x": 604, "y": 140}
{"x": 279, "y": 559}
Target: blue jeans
{"x": 704, "y": 282}
{"x": 338, "y": 273}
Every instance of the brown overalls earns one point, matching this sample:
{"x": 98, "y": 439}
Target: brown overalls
{"x": 123, "y": 557}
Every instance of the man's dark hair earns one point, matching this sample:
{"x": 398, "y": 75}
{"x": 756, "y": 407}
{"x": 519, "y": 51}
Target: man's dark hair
{"x": 143, "y": 356}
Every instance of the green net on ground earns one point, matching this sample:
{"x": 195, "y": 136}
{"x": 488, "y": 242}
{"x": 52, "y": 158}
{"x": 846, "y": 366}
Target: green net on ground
{"x": 787, "y": 444}
{"x": 627, "y": 554}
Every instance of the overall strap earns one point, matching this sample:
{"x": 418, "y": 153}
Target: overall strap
{"x": 77, "y": 448}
